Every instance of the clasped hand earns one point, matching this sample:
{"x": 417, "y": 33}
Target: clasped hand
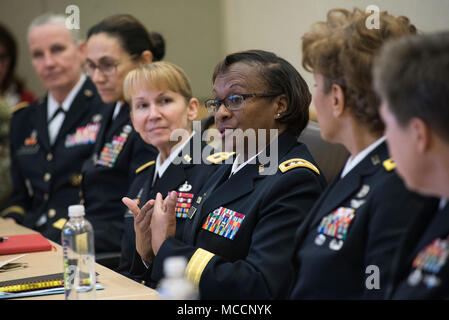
{"x": 153, "y": 223}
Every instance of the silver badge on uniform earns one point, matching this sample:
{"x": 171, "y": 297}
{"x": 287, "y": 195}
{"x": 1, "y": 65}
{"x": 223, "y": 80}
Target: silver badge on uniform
{"x": 186, "y": 187}
{"x": 414, "y": 278}
{"x": 431, "y": 281}
{"x": 97, "y": 117}
{"x": 335, "y": 244}
{"x": 363, "y": 191}
{"x": 320, "y": 239}
{"x": 127, "y": 129}
{"x": 357, "y": 203}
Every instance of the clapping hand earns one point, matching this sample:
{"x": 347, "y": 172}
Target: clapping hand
{"x": 163, "y": 221}
{"x": 142, "y": 227}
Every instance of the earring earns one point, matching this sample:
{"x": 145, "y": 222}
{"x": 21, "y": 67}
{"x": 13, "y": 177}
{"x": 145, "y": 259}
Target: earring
{"x": 278, "y": 116}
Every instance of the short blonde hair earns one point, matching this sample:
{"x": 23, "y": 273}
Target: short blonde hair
{"x": 160, "y": 75}
{"x": 342, "y": 49}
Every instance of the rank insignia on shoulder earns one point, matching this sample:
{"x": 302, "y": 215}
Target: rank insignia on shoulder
{"x": 20, "y": 106}
{"x": 297, "y": 163}
{"x": 143, "y": 167}
{"x": 389, "y": 164}
{"x": 219, "y": 157}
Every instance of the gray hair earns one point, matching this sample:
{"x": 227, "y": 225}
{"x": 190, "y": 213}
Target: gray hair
{"x": 52, "y": 18}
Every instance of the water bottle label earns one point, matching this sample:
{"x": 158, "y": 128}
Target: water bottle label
{"x": 69, "y": 271}
{"x": 81, "y": 243}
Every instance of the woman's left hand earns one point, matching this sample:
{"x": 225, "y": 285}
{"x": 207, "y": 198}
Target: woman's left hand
{"x": 163, "y": 221}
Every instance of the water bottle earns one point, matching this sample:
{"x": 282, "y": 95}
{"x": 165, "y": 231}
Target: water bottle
{"x": 175, "y": 286}
{"x": 78, "y": 256}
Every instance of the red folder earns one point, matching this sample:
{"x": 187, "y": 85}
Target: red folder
{"x": 24, "y": 243}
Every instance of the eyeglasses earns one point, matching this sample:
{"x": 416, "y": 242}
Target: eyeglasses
{"x": 234, "y": 101}
{"x": 108, "y": 69}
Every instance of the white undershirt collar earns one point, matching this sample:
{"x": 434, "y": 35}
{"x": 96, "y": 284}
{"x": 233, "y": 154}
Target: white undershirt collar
{"x": 352, "y": 162}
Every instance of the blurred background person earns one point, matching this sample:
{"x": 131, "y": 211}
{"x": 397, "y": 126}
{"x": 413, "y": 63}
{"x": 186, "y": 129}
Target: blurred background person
{"x": 361, "y": 217}
{"x": 115, "y": 46}
{"x": 13, "y": 94}
{"x": 13, "y": 91}
{"x": 51, "y": 138}
{"x": 161, "y": 103}
{"x": 238, "y": 240}
{"x": 412, "y": 78}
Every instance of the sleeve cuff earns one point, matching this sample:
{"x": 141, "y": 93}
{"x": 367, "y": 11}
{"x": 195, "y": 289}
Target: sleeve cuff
{"x": 197, "y": 264}
{"x": 15, "y": 212}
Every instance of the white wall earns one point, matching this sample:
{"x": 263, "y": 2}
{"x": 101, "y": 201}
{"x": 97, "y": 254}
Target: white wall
{"x": 277, "y": 25}
{"x": 200, "y": 33}
{"x": 191, "y": 30}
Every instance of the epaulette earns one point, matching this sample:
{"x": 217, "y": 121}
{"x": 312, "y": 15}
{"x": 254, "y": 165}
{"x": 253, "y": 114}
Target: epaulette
{"x": 389, "y": 164}
{"x": 296, "y": 163}
{"x": 20, "y": 106}
{"x": 219, "y": 157}
{"x": 143, "y": 167}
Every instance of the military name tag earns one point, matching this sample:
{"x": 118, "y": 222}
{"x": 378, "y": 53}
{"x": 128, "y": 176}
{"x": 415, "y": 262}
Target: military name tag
{"x": 191, "y": 212}
{"x": 224, "y": 222}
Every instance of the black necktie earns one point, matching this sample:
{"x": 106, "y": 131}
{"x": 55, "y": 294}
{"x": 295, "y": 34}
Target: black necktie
{"x": 58, "y": 111}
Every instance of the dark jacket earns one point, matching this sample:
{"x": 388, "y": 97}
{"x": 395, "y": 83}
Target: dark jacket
{"x": 421, "y": 268}
{"x": 353, "y": 232}
{"x": 46, "y": 178}
{"x": 239, "y": 241}
{"x": 107, "y": 176}
{"x": 187, "y": 178}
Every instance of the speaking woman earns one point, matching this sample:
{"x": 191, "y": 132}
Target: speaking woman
{"x": 238, "y": 238}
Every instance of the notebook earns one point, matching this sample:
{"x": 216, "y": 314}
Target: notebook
{"x": 33, "y": 286}
{"x": 33, "y": 283}
{"x": 24, "y": 243}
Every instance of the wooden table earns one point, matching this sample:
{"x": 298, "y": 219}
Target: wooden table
{"x": 116, "y": 286}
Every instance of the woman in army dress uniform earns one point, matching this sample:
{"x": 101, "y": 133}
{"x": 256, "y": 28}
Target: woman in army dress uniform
{"x": 52, "y": 137}
{"x": 238, "y": 237}
{"x": 161, "y": 102}
{"x": 115, "y": 46}
{"x": 412, "y": 78}
{"x": 345, "y": 248}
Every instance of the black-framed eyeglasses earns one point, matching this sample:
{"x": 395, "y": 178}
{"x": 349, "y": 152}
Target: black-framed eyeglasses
{"x": 107, "y": 68}
{"x": 234, "y": 101}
